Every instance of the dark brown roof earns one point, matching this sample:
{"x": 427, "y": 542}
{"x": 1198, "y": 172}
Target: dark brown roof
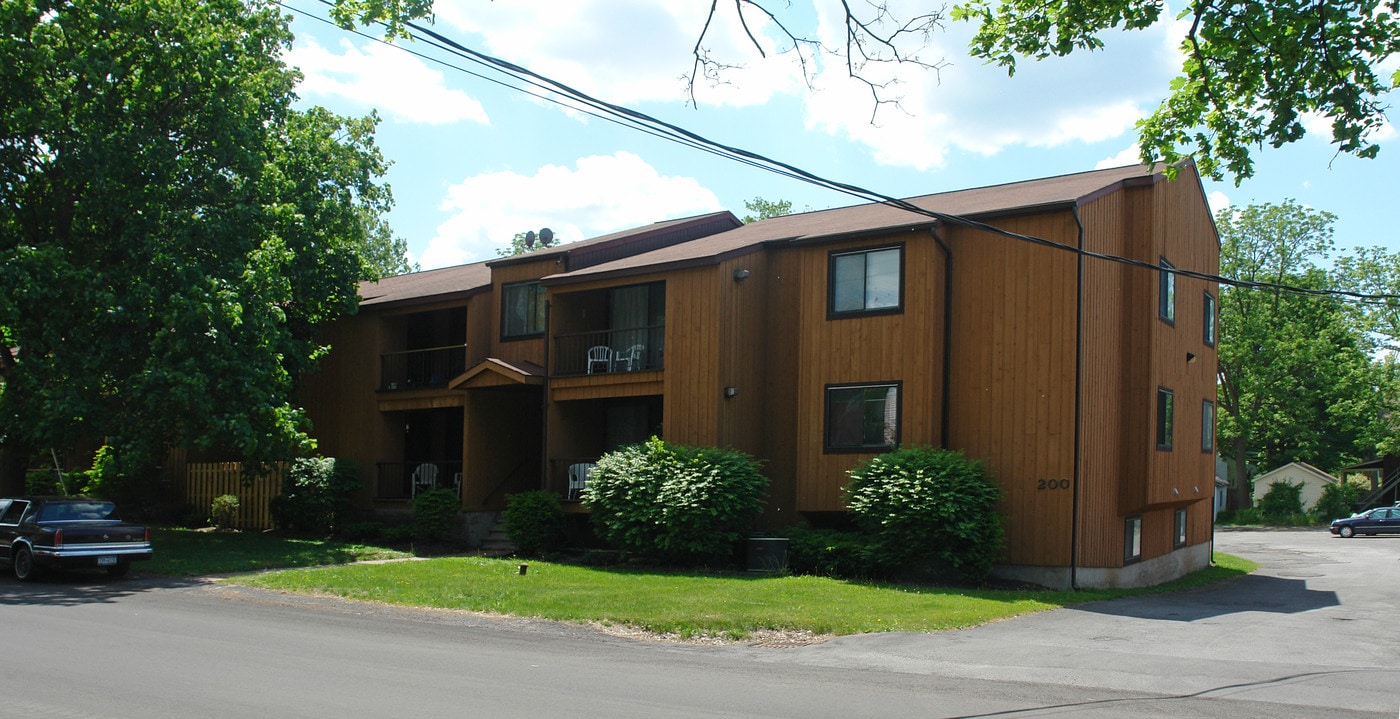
{"x": 872, "y": 218}
{"x": 464, "y": 280}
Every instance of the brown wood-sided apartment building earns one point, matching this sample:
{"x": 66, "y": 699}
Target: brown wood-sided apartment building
{"x": 813, "y": 341}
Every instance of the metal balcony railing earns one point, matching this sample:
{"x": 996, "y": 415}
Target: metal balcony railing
{"x": 404, "y": 480}
{"x": 418, "y": 369}
{"x": 631, "y": 350}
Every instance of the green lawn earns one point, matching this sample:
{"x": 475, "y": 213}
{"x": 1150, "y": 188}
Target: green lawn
{"x": 187, "y": 553}
{"x": 686, "y": 604}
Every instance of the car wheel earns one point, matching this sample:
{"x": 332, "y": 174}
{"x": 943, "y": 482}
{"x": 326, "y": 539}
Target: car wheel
{"x": 118, "y": 570}
{"x": 23, "y": 564}
{"x": 1346, "y": 532}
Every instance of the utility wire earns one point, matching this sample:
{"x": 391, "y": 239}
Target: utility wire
{"x": 648, "y": 124}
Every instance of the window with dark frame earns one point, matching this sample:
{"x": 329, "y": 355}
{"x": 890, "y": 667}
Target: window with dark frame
{"x": 522, "y": 310}
{"x": 1166, "y": 293}
{"x": 1132, "y": 539}
{"x": 866, "y": 282}
{"x": 1165, "y": 412}
{"x": 1207, "y": 426}
{"x": 1179, "y": 539}
{"x": 862, "y": 418}
{"x": 1208, "y": 331}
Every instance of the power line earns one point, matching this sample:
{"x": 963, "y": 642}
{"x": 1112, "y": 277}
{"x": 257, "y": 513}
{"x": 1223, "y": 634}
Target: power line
{"x": 648, "y": 124}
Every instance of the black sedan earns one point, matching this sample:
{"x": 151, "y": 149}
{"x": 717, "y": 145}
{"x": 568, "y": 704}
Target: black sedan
{"x": 68, "y": 532}
{"x": 1381, "y": 520}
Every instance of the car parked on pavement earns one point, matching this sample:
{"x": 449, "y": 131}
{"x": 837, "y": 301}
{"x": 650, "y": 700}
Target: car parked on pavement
{"x": 1381, "y": 520}
{"x": 68, "y": 532}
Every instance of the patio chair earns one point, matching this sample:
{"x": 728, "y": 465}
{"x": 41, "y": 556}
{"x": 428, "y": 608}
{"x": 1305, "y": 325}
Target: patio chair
{"x": 632, "y": 357}
{"x": 578, "y": 478}
{"x": 600, "y": 355}
{"x": 424, "y": 478}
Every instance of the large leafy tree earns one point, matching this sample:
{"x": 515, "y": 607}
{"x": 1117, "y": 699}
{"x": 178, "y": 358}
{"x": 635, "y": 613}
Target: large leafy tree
{"x": 1298, "y": 381}
{"x": 172, "y": 231}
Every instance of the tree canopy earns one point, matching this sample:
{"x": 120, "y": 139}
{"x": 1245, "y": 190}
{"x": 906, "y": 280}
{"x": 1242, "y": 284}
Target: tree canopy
{"x": 1299, "y": 380}
{"x": 761, "y": 209}
{"x": 172, "y": 231}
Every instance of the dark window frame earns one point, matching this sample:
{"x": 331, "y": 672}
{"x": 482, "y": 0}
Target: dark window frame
{"x": 1166, "y": 292}
{"x": 1132, "y": 539}
{"x": 831, "y": 260}
{"x": 506, "y": 335}
{"x": 1180, "y": 528}
{"x": 1166, "y": 418}
{"x": 1210, "y": 329}
{"x": 828, "y": 447}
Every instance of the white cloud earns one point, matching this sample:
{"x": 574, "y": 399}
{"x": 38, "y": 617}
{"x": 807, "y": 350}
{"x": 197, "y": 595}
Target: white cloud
{"x": 601, "y": 194}
{"x": 1131, "y": 155}
{"x": 623, "y": 51}
{"x": 402, "y": 87}
{"x": 1217, "y": 201}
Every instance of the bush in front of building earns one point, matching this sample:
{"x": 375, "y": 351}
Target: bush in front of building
{"x": 534, "y": 521}
{"x": 1283, "y": 500}
{"x": 435, "y": 514}
{"x": 836, "y": 553}
{"x": 316, "y": 495}
{"x": 677, "y": 503}
{"x": 928, "y": 510}
{"x": 1338, "y": 499}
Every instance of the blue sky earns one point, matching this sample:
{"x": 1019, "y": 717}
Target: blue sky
{"x": 474, "y": 163}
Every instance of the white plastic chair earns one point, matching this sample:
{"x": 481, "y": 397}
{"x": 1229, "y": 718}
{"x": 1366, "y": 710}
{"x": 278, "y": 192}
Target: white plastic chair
{"x": 632, "y": 357}
{"x": 424, "y": 478}
{"x": 579, "y": 475}
{"x": 600, "y": 355}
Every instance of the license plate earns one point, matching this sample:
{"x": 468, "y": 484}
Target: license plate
{"x": 106, "y": 561}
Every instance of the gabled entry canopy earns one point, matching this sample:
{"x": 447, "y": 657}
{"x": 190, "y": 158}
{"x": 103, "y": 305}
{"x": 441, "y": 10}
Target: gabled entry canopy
{"x": 493, "y": 372}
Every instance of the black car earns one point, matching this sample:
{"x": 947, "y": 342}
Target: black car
{"x": 1381, "y": 520}
{"x": 68, "y": 532}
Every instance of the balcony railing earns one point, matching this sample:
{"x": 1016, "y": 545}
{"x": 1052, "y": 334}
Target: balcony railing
{"x": 404, "y": 480}
{"x": 417, "y": 369}
{"x": 630, "y": 350}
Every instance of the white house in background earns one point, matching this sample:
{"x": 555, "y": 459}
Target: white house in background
{"x": 1312, "y": 479}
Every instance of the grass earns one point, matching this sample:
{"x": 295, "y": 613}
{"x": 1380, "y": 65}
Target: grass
{"x": 188, "y": 553}
{"x": 692, "y": 604}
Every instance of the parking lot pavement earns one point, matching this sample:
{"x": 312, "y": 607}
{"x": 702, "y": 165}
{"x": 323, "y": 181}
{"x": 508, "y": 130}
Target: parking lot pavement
{"x": 1315, "y": 626}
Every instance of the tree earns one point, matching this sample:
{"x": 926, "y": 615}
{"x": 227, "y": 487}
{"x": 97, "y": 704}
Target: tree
{"x": 172, "y": 231}
{"x": 1297, "y": 381}
{"x": 763, "y": 209}
{"x": 526, "y": 242}
{"x": 1375, "y": 271}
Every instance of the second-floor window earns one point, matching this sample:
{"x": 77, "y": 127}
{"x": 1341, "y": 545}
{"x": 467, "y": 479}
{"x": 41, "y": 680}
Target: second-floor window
{"x": 866, "y": 281}
{"x": 1164, "y": 418}
{"x": 1208, "y": 334}
{"x": 522, "y": 310}
{"x": 1166, "y": 293}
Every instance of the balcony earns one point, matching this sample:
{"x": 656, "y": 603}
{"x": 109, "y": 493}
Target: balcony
{"x": 405, "y": 480}
{"x": 631, "y": 350}
{"x": 421, "y": 368}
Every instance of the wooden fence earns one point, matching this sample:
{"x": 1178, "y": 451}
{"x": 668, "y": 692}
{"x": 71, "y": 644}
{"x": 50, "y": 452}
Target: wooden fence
{"x": 206, "y": 480}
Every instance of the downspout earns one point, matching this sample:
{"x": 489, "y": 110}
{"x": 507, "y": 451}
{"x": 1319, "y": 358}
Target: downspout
{"x": 1078, "y": 403}
{"x": 544, "y": 406}
{"x": 947, "y": 332}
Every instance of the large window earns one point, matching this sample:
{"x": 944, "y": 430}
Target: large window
{"x": 522, "y": 310}
{"x": 1166, "y": 293}
{"x": 1208, "y": 333}
{"x": 866, "y": 281}
{"x": 1164, "y": 418}
{"x": 862, "y": 418}
{"x": 1207, "y": 426}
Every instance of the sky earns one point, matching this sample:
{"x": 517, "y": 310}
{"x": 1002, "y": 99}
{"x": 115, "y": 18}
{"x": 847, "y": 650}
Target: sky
{"x": 474, "y": 161}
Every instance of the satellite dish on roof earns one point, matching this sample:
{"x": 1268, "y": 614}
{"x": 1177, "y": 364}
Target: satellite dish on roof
{"x": 530, "y": 240}
{"x": 546, "y": 237}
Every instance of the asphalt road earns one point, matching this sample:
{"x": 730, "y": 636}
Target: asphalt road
{"x": 1313, "y": 634}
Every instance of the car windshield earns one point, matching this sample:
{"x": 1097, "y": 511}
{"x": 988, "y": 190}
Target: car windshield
{"x": 77, "y": 511}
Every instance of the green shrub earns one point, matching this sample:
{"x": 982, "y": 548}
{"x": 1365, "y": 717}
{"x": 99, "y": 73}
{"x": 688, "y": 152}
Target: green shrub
{"x": 223, "y": 511}
{"x": 1283, "y": 500}
{"x": 435, "y": 514}
{"x": 681, "y": 504}
{"x": 928, "y": 509}
{"x": 533, "y": 520}
{"x": 316, "y": 495}
{"x": 834, "y": 553}
{"x": 1339, "y": 498}
{"x": 368, "y": 531}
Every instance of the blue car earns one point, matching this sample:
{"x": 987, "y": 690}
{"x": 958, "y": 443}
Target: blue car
{"x": 1381, "y": 520}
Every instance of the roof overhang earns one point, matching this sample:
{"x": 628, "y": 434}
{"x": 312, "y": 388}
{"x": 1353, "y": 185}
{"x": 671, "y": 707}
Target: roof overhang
{"x": 493, "y": 372}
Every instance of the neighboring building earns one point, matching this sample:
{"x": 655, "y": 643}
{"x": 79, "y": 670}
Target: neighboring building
{"x": 1309, "y": 478}
{"x": 816, "y": 340}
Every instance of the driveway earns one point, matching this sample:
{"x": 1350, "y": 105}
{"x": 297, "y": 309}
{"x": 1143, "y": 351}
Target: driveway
{"x": 1317, "y": 626}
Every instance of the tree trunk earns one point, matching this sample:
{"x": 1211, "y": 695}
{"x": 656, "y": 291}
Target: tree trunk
{"x": 1240, "y": 496}
{"x": 14, "y": 461}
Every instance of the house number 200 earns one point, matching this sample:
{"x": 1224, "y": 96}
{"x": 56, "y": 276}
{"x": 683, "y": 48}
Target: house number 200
{"x": 1052, "y": 484}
